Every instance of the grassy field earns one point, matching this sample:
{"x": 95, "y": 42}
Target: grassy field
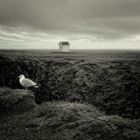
{"x": 75, "y": 54}
{"x": 89, "y": 94}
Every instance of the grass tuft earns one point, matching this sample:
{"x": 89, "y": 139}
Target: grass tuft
{"x": 16, "y": 100}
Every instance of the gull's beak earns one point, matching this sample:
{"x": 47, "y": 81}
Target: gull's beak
{"x": 18, "y": 77}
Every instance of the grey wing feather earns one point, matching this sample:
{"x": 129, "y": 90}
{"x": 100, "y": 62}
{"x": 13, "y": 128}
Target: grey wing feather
{"x": 28, "y": 83}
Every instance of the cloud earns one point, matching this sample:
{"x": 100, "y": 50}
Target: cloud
{"x": 13, "y": 38}
{"x": 104, "y": 18}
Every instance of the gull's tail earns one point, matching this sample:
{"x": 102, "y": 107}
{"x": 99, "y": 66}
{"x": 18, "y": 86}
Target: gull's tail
{"x": 36, "y": 86}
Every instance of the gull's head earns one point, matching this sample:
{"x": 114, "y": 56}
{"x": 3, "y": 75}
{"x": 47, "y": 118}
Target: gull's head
{"x": 21, "y": 76}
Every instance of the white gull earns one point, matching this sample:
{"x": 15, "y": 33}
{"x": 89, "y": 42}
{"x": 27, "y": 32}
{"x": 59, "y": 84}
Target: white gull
{"x": 27, "y": 83}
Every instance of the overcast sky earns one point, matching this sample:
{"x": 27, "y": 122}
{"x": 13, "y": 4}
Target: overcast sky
{"x": 86, "y": 24}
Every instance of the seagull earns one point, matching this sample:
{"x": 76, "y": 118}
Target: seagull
{"x": 27, "y": 83}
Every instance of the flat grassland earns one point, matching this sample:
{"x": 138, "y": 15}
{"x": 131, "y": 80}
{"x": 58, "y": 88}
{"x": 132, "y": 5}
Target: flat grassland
{"x": 83, "y": 95}
{"x": 75, "y": 54}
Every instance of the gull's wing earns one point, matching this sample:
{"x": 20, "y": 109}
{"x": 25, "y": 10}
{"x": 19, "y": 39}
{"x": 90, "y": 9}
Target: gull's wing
{"x": 28, "y": 83}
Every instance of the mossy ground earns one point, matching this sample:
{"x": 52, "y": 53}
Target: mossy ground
{"x": 60, "y": 120}
{"x": 83, "y": 96}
